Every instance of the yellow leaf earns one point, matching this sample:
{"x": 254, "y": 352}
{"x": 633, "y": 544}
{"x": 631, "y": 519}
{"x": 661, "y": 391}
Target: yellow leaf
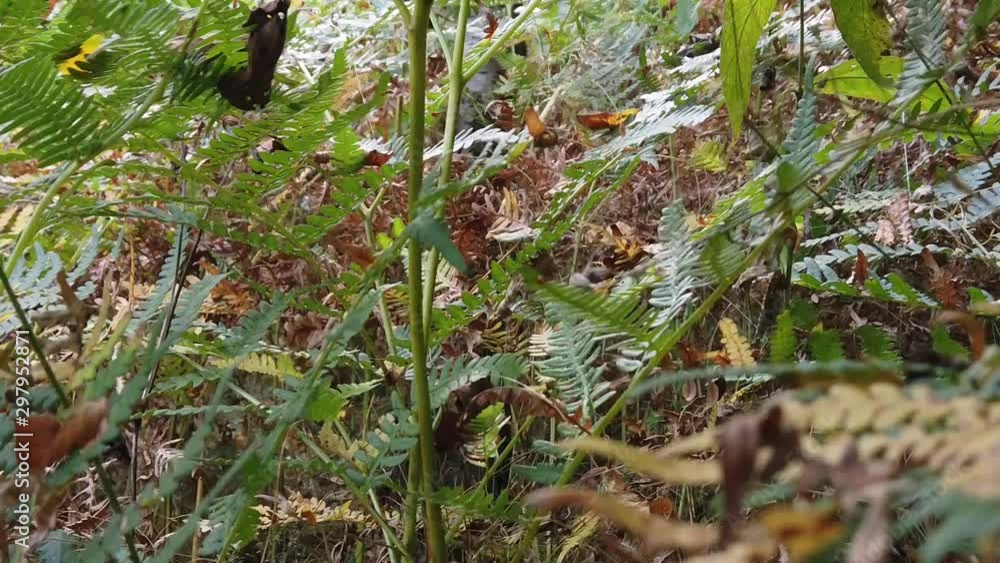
{"x": 737, "y": 348}
{"x": 87, "y": 48}
{"x": 803, "y": 531}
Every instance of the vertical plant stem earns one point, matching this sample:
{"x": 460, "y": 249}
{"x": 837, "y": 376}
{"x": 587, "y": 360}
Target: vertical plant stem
{"x": 412, "y": 501}
{"x": 417, "y": 34}
{"x": 456, "y": 87}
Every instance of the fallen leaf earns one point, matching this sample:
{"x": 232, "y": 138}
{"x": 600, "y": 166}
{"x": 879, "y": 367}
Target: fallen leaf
{"x": 541, "y": 135}
{"x": 803, "y": 531}
{"x": 605, "y": 120}
{"x": 861, "y": 269}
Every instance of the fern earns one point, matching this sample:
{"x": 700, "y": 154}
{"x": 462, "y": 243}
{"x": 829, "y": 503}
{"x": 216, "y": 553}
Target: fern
{"x": 459, "y": 372}
{"x": 783, "y": 341}
{"x": 57, "y": 122}
{"x": 37, "y": 288}
{"x": 164, "y": 284}
{"x": 923, "y": 66}
{"x": 279, "y": 366}
{"x": 825, "y": 346}
{"x": 710, "y": 156}
{"x": 569, "y": 355}
{"x": 660, "y": 116}
{"x": 876, "y": 344}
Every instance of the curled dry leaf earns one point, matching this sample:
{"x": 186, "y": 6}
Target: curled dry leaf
{"x": 804, "y": 531}
{"x": 605, "y": 120}
{"x": 673, "y": 471}
{"x": 942, "y": 282}
{"x": 655, "y": 533}
{"x": 51, "y": 440}
{"x": 541, "y": 135}
{"x": 861, "y": 269}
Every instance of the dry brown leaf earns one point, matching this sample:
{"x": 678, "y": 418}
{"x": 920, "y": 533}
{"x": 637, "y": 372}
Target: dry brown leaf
{"x": 942, "y": 282}
{"x": 861, "y": 269}
{"x": 804, "y": 531}
{"x": 542, "y": 136}
{"x": 605, "y": 120}
{"x": 51, "y": 440}
{"x": 655, "y": 533}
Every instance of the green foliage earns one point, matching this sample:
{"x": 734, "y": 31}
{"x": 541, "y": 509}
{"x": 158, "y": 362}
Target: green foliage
{"x": 570, "y": 355}
{"x": 867, "y": 32}
{"x": 57, "y": 123}
{"x": 943, "y": 344}
{"x": 432, "y": 232}
{"x": 742, "y": 24}
{"x": 825, "y": 346}
{"x": 877, "y": 345}
{"x": 783, "y": 339}
{"x": 850, "y": 79}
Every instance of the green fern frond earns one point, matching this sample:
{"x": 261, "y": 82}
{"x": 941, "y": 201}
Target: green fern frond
{"x": 876, "y": 344}
{"x": 569, "y": 355}
{"x": 164, "y": 283}
{"x": 455, "y": 373}
{"x": 783, "y": 341}
{"x": 57, "y": 122}
{"x": 825, "y": 346}
{"x": 710, "y": 156}
{"x": 924, "y": 65}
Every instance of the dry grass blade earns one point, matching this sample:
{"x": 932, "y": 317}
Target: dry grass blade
{"x": 673, "y": 471}
{"x": 656, "y": 534}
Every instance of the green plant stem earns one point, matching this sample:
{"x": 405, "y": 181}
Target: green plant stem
{"x": 35, "y": 223}
{"x": 433, "y": 522}
{"x": 456, "y": 87}
{"x": 497, "y": 43}
{"x": 412, "y": 500}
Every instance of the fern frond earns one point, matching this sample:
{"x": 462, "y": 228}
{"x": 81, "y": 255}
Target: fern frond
{"x": 459, "y": 372}
{"x": 569, "y": 355}
{"x": 709, "y": 155}
{"x": 825, "y": 346}
{"x": 783, "y": 341}
{"x": 57, "y": 122}
{"x": 279, "y": 366}
{"x": 876, "y": 344}
{"x": 164, "y": 283}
